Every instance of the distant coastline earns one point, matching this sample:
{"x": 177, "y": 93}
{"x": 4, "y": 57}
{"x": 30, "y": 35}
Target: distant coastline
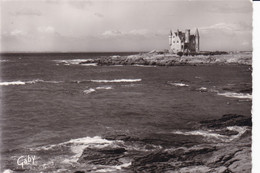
{"x": 156, "y": 58}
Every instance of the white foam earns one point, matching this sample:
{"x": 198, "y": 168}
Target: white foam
{"x": 34, "y": 81}
{"x": 74, "y": 61}
{"x": 53, "y": 81}
{"x": 236, "y": 95}
{"x": 90, "y": 64}
{"x": 203, "y": 89}
{"x": 213, "y": 135}
{"x": 179, "y": 84}
{"x": 26, "y": 82}
{"x": 8, "y": 171}
{"x": 78, "y": 145}
{"x": 114, "y": 168}
{"x": 115, "y": 56}
{"x": 88, "y": 91}
{"x": 104, "y": 88}
{"x": 139, "y": 65}
{"x": 12, "y": 83}
{"x": 117, "y": 80}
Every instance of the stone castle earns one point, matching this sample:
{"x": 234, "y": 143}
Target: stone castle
{"x": 184, "y": 42}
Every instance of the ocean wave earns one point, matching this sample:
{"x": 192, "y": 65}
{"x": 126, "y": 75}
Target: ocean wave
{"x": 178, "y": 84}
{"x": 236, "y": 95}
{"x": 3, "y": 61}
{"x": 202, "y": 89}
{"x": 78, "y": 145}
{"x": 88, "y": 91}
{"x": 104, "y": 88}
{"x": 74, "y": 61}
{"x": 12, "y": 83}
{"x": 26, "y": 82}
{"x": 90, "y": 64}
{"x": 138, "y": 65}
{"x": 116, "y": 80}
{"x": 211, "y": 135}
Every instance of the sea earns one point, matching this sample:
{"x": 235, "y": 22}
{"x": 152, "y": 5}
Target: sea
{"x": 55, "y": 109}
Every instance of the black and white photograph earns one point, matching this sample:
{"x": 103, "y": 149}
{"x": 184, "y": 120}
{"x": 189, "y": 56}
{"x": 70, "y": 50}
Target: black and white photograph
{"x": 120, "y": 86}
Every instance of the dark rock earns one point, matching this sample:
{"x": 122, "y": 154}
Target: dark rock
{"x": 228, "y": 120}
{"x": 102, "y": 156}
{"x": 246, "y": 90}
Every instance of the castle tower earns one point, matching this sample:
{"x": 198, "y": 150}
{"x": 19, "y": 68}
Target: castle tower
{"x": 187, "y": 36}
{"x": 170, "y": 38}
{"x": 197, "y": 41}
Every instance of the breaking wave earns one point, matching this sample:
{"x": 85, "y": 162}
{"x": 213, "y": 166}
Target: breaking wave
{"x": 116, "y": 80}
{"x": 104, "y": 88}
{"x": 26, "y": 82}
{"x": 88, "y": 91}
{"x": 236, "y": 95}
{"x": 75, "y": 61}
{"x": 202, "y": 89}
{"x": 90, "y": 64}
{"x": 12, "y": 83}
{"x": 78, "y": 145}
{"x": 211, "y": 135}
{"x": 178, "y": 84}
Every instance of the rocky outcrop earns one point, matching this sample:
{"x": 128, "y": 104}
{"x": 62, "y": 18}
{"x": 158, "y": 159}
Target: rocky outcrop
{"x": 209, "y": 158}
{"x": 227, "y": 120}
{"x": 173, "y": 60}
{"x": 102, "y": 156}
{"x": 227, "y": 156}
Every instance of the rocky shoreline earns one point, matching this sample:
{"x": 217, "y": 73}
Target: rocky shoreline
{"x": 233, "y": 155}
{"x": 155, "y": 59}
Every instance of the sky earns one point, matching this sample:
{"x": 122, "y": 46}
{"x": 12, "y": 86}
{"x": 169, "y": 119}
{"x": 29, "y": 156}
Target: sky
{"x": 109, "y": 26}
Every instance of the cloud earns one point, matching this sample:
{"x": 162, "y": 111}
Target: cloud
{"x": 46, "y": 29}
{"x": 99, "y": 15}
{"x": 17, "y": 32}
{"x": 229, "y": 7}
{"x": 227, "y": 27}
{"x": 138, "y": 32}
{"x": 112, "y": 33}
{"x": 131, "y": 33}
{"x": 80, "y": 4}
{"x": 27, "y": 12}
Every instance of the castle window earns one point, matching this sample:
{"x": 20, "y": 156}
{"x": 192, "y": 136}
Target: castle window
{"x": 177, "y": 41}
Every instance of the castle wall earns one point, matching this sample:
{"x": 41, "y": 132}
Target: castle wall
{"x": 176, "y": 45}
{"x": 184, "y": 42}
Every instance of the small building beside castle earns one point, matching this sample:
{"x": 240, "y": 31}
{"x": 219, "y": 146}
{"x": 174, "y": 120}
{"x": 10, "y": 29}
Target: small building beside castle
{"x": 184, "y": 41}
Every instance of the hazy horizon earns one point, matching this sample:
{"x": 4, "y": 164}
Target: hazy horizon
{"x": 122, "y": 26}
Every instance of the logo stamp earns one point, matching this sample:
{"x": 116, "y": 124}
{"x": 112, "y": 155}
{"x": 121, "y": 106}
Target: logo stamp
{"x": 26, "y": 160}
